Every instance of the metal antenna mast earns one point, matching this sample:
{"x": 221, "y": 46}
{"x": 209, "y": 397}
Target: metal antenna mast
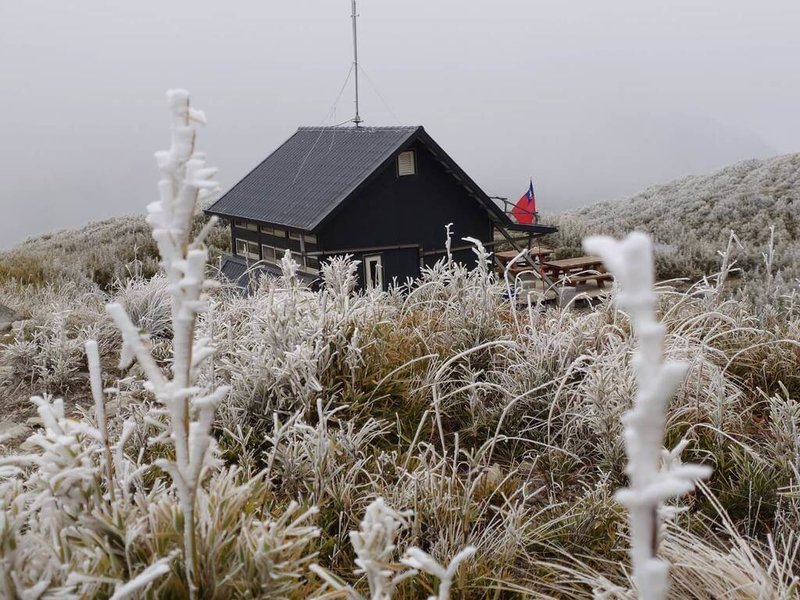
{"x": 357, "y": 118}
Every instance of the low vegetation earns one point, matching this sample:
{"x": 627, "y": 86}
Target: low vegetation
{"x": 498, "y": 428}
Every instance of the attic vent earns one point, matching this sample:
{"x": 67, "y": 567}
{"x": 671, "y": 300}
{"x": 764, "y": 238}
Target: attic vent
{"x": 406, "y": 163}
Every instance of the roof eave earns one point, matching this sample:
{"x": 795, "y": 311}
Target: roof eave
{"x": 229, "y": 216}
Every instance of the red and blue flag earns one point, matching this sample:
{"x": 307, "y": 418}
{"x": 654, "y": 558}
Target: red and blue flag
{"x": 524, "y": 210}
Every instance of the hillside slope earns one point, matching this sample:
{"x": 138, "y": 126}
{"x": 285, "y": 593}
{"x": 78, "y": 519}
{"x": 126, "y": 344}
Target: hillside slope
{"x": 693, "y": 216}
{"x": 99, "y": 252}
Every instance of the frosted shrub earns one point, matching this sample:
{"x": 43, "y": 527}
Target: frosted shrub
{"x": 784, "y": 413}
{"x": 50, "y": 357}
{"x": 65, "y": 471}
{"x": 190, "y": 409}
{"x": 450, "y": 295}
{"x": 284, "y": 344}
{"x": 147, "y": 302}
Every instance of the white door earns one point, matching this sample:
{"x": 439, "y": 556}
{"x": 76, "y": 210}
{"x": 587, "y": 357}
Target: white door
{"x": 373, "y": 267}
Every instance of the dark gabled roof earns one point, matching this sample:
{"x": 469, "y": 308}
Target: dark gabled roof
{"x": 305, "y": 179}
{"x": 236, "y": 270}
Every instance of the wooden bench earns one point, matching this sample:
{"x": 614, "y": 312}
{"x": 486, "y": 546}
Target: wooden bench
{"x": 600, "y": 278}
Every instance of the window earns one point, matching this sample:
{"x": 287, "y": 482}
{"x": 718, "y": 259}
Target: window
{"x": 373, "y": 268}
{"x": 293, "y": 235}
{"x": 268, "y": 253}
{"x": 247, "y": 249}
{"x": 406, "y": 163}
{"x": 309, "y": 239}
{"x": 273, "y": 231}
{"x": 246, "y": 225}
{"x": 274, "y": 255}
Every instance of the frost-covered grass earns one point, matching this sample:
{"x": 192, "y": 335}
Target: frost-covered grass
{"x": 498, "y": 431}
{"x": 432, "y": 441}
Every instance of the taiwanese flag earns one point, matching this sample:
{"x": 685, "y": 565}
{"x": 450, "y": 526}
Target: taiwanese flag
{"x": 524, "y": 210}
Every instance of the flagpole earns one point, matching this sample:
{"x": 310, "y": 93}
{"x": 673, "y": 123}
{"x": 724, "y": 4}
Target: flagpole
{"x": 357, "y": 118}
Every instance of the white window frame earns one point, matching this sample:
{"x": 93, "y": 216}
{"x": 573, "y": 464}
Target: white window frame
{"x": 376, "y": 259}
{"x": 413, "y": 166}
{"x": 279, "y": 254}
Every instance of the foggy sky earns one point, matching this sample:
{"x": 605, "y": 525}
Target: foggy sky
{"x": 594, "y": 99}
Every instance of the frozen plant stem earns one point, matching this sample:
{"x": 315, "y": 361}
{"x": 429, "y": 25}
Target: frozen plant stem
{"x": 191, "y": 410}
{"x": 631, "y": 262}
{"x": 96, "y": 382}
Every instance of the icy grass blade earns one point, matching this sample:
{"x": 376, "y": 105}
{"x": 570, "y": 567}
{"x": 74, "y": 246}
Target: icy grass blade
{"x": 143, "y": 580}
{"x": 631, "y": 262}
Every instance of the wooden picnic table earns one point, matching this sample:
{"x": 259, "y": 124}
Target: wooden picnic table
{"x": 540, "y": 251}
{"x": 567, "y": 269}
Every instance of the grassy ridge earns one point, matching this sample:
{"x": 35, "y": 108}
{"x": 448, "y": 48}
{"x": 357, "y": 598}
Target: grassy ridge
{"x": 692, "y": 218}
{"x": 100, "y": 253}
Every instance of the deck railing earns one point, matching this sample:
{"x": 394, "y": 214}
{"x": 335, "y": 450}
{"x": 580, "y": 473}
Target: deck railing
{"x": 510, "y": 207}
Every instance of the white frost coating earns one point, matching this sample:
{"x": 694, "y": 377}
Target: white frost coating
{"x": 96, "y": 383}
{"x": 184, "y": 177}
{"x": 143, "y": 579}
{"x": 375, "y": 545}
{"x": 422, "y": 561}
{"x": 631, "y": 262}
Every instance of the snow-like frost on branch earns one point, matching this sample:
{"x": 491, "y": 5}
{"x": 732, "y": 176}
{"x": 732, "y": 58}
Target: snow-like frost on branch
{"x": 184, "y": 178}
{"x": 652, "y": 480}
